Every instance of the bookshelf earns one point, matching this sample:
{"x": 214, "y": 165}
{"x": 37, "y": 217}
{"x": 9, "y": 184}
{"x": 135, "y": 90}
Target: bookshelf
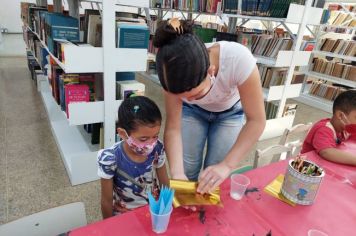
{"x": 77, "y": 152}
{"x": 129, "y": 3}
{"x": 297, "y": 14}
{"x": 330, "y": 54}
{"x": 314, "y": 101}
{"x": 89, "y": 59}
{"x": 332, "y": 79}
{"x": 325, "y": 52}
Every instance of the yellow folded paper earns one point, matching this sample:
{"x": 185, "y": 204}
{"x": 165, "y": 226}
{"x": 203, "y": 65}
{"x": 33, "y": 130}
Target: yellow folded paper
{"x": 186, "y": 194}
{"x": 274, "y": 189}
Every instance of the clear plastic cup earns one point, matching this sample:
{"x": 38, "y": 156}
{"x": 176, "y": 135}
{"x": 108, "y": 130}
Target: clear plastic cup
{"x": 315, "y": 232}
{"x": 160, "y": 222}
{"x": 238, "y": 186}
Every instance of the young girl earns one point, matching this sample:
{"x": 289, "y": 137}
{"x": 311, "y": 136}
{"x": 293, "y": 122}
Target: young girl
{"x": 128, "y": 170}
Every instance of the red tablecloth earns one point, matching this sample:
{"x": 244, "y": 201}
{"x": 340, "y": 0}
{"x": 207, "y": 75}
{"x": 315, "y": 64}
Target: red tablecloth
{"x": 345, "y": 173}
{"x": 333, "y": 212}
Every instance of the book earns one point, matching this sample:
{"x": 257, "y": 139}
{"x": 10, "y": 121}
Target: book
{"x": 122, "y": 76}
{"x": 75, "y": 93}
{"x": 125, "y": 89}
{"x": 95, "y": 134}
{"x": 290, "y": 109}
{"x": 64, "y": 80}
{"x": 205, "y": 34}
{"x": 132, "y": 35}
{"x": 88, "y": 79}
{"x": 59, "y": 26}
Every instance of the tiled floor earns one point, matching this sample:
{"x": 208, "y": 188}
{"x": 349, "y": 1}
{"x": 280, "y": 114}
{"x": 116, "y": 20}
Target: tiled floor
{"x": 32, "y": 175}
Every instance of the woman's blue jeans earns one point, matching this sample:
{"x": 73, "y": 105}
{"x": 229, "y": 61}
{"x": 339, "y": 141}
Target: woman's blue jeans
{"x": 219, "y": 130}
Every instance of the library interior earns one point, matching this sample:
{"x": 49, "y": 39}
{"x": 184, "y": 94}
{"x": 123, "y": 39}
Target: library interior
{"x": 196, "y": 117}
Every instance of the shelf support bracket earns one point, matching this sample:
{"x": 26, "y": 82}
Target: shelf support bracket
{"x": 289, "y": 31}
{"x": 311, "y": 31}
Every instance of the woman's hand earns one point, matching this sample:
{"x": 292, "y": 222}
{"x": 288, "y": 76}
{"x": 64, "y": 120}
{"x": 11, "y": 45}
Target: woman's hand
{"x": 212, "y": 177}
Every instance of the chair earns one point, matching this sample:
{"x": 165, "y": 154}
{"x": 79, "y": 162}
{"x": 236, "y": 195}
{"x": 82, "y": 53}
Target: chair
{"x": 271, "y": 151}
{"x": 53, "y": 221}
{"x": 298, "y": 132}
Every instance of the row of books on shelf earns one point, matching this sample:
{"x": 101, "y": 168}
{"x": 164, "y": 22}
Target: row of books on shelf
{"x": 338, "y": 46}
{"x": 210, "y": 6}
{"x": 271, "y": 109}
{"x": 274, "y": 76}
{"x": 342, "y": 18}
{"x": 334, "y": 68}
{"x": 74, "y": 88}
{"x": 268, "y": 8}
{"x": 337, "y": 29}
{"x": 308, "y": 45}
{"x": 333, "y": 11}
{"x": 340, "y": 6}
{"x": 267, "y": 45}
{"x": 33, "y": 66}
{"x": 132, "y": 30}
{"x": 35, "y": 46}
{"x": 325, "y": 90}
{"x": 50, "y": 26}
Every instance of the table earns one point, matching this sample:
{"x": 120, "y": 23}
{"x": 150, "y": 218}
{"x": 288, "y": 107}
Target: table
{"x": 345, "y": 173}
{"x": 334, "y": 210}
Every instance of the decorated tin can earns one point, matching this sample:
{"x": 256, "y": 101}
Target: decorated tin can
{"x": 301, "y": 188}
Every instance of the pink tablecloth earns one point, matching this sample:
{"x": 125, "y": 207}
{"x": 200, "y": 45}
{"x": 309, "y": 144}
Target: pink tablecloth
{"x": 334, "y": 210}
{"x": 345, "y": 173}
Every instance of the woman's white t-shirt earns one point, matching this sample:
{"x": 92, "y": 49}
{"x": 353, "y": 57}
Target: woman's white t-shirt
{"x": 236, "y": 63}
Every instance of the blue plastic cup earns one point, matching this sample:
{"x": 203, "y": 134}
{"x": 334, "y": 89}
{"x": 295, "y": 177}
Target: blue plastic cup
{"x": 160, "y": 222}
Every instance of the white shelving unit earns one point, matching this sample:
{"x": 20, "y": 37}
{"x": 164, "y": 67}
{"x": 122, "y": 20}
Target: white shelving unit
{"x": 332, "y": 79}
{"x": 78, "y": 155}
{"x": 316, "y": 101}
{"x": 294, "y": 16}
{"x": 320, "y": 103}
{"x": 284, "y": 59}
{"x": 274, "y": 93}
{"x": 330, "y": 54}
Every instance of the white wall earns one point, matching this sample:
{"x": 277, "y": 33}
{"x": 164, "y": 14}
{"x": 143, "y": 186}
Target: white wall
{"x": 11, "y": 44}
{"x": 10, "y": 15}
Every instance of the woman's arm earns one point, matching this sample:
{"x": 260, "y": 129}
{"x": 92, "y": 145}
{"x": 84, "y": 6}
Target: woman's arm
{"x": 252, "y": 102}
{"x": 106, "y": 197}
{"x": 173, "y": 136}
{"x": 162, "y": 175}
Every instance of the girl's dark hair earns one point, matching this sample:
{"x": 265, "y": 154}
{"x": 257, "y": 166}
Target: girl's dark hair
{"x": 345, "y": 101}
{"x": 182, "y": 60}
{"x": 136, "y": 111}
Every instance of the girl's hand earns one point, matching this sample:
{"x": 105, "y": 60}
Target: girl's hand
{"x": 212, "y": 177}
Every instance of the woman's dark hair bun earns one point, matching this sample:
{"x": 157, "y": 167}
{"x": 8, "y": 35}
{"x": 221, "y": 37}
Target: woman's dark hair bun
{"x": 165, "y": 33}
